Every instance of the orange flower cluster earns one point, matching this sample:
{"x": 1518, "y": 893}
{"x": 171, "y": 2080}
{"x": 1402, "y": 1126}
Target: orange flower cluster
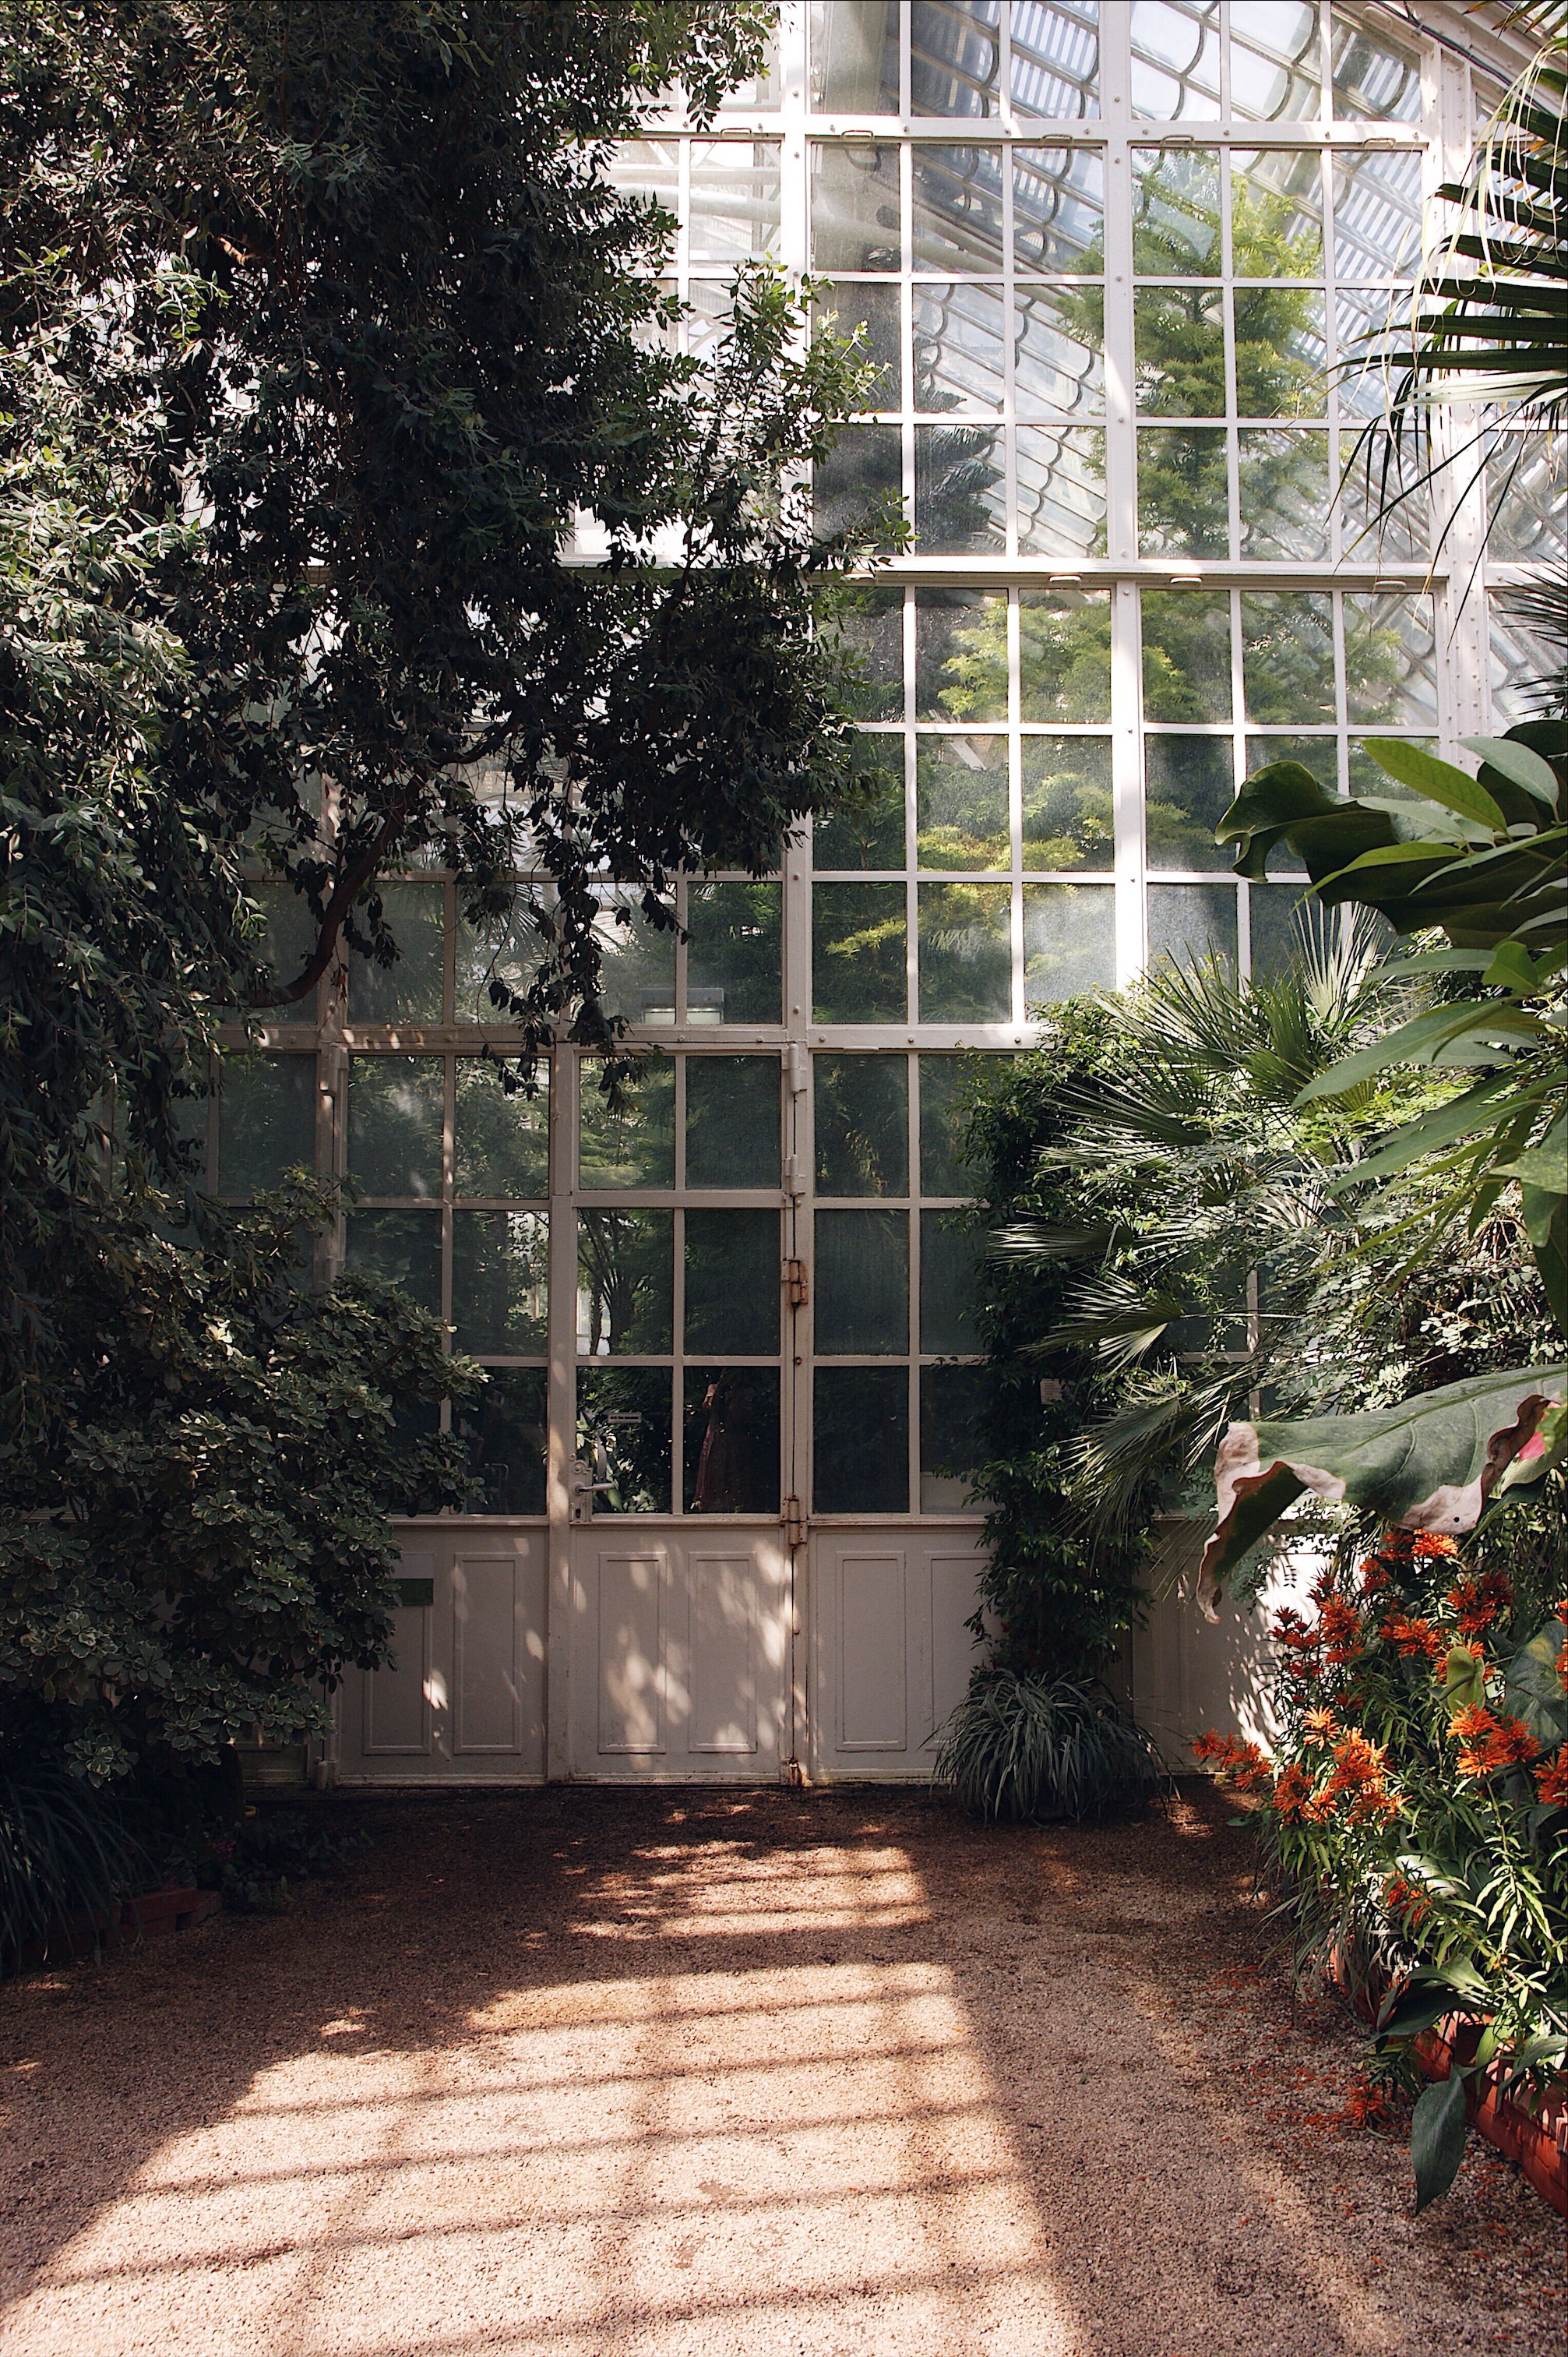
{"x": 1414, "y": 1638}
{"x": 1321, "y": 1723}
{"x": 1551, "y": 1779}
{"x": 1293, "y": 1791}
{"x": 1488, "y": 1742}
{"x": 1403, "y": 1898}
{"x": 1476, "y": 1603}
{"x": 1376, "y": 1576}
{"x": 1242, "y": 1762}
{"x": 1359, "y": 1776}
{"x": 1341, "y": 1628}
{"x": 1561, "y": 1609}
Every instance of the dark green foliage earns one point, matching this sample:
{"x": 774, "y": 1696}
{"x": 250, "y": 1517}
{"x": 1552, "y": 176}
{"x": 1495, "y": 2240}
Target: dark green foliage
{"x": 259, "y": 1867}
{"x": 1032, "y": 1748}
{"x": 64, "y": 1848}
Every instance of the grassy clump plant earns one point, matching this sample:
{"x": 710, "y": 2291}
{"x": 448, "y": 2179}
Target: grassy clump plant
{"x": 1028, "y": 1748}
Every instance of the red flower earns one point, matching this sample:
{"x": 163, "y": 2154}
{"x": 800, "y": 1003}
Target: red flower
{"x": 1403, "y": 1898}
{"x": 1429, "y": 1543}
{"x": 1242, "y": 1762}
{"x": 1321, "y": 1722}
{"x": 1341, "y": 1625}
{"x": 1293, "y": 1791}
{"x": 1413, "y": 1637}
{"x": 1476, "y": 1603}
{"x": 1488, "y": 1743}
{"x": 1551, "y": 1779}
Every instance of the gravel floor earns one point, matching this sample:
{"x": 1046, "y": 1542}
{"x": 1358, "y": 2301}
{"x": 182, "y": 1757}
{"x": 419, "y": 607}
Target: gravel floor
{"x": 731, "y": 2075}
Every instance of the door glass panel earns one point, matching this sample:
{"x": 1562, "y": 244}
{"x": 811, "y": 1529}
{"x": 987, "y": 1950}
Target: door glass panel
{"x": 857, "y": 952}
{"x": 411, "y": 990}
{"x": 505, "y": 1431}
{"x": 1187, "y": 654}
{"x": 733, "y": 960}
{"x": 625, "y": 1282}
{"x": 1189, "y": 789}
{"x": 637, "y": 969}
{"x": 1069, "y": 941}
{"x": 401, "y": 1247}
{"x": 502, "y": 1143}
{"x": 730, "y": 1452}
{"x": 1192, "y": 924}
{"x": 966, "y": 954}
{"x": 631, "y": 1144}
{"x": 949, "y": 1085}
{"x": 733, "y": 1279}
{"x": 394, "y": 1124}
{"x": 1068, "y": 809}
{"x": 1287, "y": 656}
{"x": 960, "y": 790}
{"x": 961, "y": 655}
{"x": 732, "y": 1121}
{"x": 952, "y": 1439}
{"x": 870, "y": 834}
{"x": 949, "y": 1256}
{"x": 625, "y": 1433}
{"x": 1064, "y": 654}
{"x": 266, "y": 1120}
{"x": 861, "y": 1440}
{"x": 500, "y": 1282}
{"x": 862, "y": 1283}
{"x": 862, "y": 1124}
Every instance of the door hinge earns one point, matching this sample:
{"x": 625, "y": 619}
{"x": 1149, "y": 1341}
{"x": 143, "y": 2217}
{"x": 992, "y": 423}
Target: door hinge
{"x": 797, "y": 1283}
{"x": 794, "y": 1523}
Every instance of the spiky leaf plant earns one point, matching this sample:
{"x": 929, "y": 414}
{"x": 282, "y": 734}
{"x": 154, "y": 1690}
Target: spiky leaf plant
{"x": 63, "y": 1846}
{"x": 1031, "y": 1747}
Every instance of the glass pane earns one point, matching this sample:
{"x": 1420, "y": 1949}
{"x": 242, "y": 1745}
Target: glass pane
{"x": 864, "y": 470}
{"x": 1060, "y": 475}
{"x": 637, "y": 975}
{"x": 1391, "y": 661}
{"x": 1192, "y": 924}
{"x": 506, "y": 1430}
{"x": 733, "y": 1276}
{"x": 1069, "y": 941}
{"x": 1175, "y": 213}
{"x": 396, "y": 1106}
{"x": 1377, "y": 215}
{"x": 735, "y": 199}
{"x": 625, "y": 1283}
{"x": 1374, "y": 78}
{"x": 870, "y": 833}
{"x": 861, "y": 1442}
{"x": 1366, "y": 778}
{"x": 872, "y": 628}
{"x": 1058, "y": 207}
{"x": 949, "y": 1258}
{"x": 1275, "y": 76}
{"x": 958, "y": 347}
{"x": 730, "y": 1455}
{"x": 1526, "y": 666}
{"x": 855, "y": 204}
{"x": 862, "y": 1124}
{"x": 1190, "y": 787}
{"x": 1176, "y": 60}
{"x": 1064, "y": 654}
{"x": 266, "y": 1121}
{"x": 502, "y": 1143}
{"x": 411, "y": 990}
{"x": 1281, "y": 352}
{"x": 863, "y": 1284}
{"x": 960, "y": 488}
{"x": 1319, "y": 754}
{"x": 1526, "y": 479}
{"x": 854, "y": 57}
{"x": 1184, "y": 506}
{"x": 649, "y": 170}
{"x": 1283, "y": 920}
{"x": 506, "y": 953}
{"x": 734, "y": 958}
{"x": 965, "y": 954}
{"x": 284, "y": 943}
{"x": 625, "y": 1434}
{"x": 1187, "y": 654}
{"x": 955, "y": 56}
{"x": 1178, "y": 336}
{"x": 1287, "y": 655}
{"x": 404, "y": 1248}
{"x": 1285, "y": 492}
{"x": 500, "y": 1282}
{"x": 1277, "y": 214}
{"x": 961, "y": 655}
{"x": 957, "y": 220}
{"x": 851, "y": 306}
{"x": 732, "y": 1121}
{"x": 632, "y": 1143}
{"x": 949, "y": 1088}
{"x": 858, "y": 953}
{"x": 960, "y": 802}
{"x": 952, "y": 1438}
{"x": 1069, "y": 811}
{"x": 1058, "y": 342}
{"x": 1381, "y": 521}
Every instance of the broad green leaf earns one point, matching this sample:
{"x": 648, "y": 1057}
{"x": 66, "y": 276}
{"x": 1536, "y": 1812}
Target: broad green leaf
{"x": 1476, "y": 1109}
{"x": 1437, "y": 2137}
{"x": 1514, "y": 968}
{"x": 1439, "y": 780}
{"x": 1544, "y": 1166}
{"x": 1546, "y": 1225}
{"x": 1463, "y": 1680}
{"x": 1517, "y": 762}
{"x": 1418, "y": 1041}
{"x": 1533, "y": 1689}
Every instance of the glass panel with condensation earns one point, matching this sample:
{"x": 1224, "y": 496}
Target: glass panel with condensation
{"x": 863, "y": 1284}
{"x": 950, "y": 1087}
{"x": 1391, "y": 661}
{"x": 730, "y": 1453}
{"x": 625, "y": 1283}
{"x": 505, "y": 1431}
{"x": 1069, "y": 810}
{"x": 734, "y": 214}
{"x": 1064, "y": 654}
{"x": 960, "y": 489}
{"x": 1060, "y": 476}
{"x": 411, "y": 990}
{"x": 266, "y": 1121}
{"x": 857, "y": 953}
{"x": 862, "y": 1124}
{"x": 500, "y": 1283}
{"x": 1283, "y": 922}
{"x": 501, "y": 1147}
{"x": 628, "y": 1140}
{"x": 871, "y": 627}
{"x": 957, "y": 217}
{"x": 952, "y": 1436}
{"x": 732, "y": 1121}
{"x": 863, "y": 473}
{"x": 1192, "y": 924}
{"x": 965, "y": 954}
{"x": 1319, "y": 754}
{"x": 1069, "y": 941}
{"x": 734, "y": 969}
{"x": 960, "y": 802}
{"x": 869, "y": 832}
{"x": 734, "y": 1283}
{"x": 395, "y": 1107}
{"x": 854, "y": 206}
{"x": 951, "y": 1251}
{"x": 1059, "y": 210}
{"x": 1286, "y": 494}
{"x": 961, "y": 655}
{"x": 869, "y": 311}
{"x": 854, "y": 57}
{"x": 1187, "y": 654}
{"x": 1184, "y": 491}
{"x": 1189, "y": 785}
{"x": 861, "y": 1440}
{"x": 626, "y": 1432}
{"x": 404, "y": 1248}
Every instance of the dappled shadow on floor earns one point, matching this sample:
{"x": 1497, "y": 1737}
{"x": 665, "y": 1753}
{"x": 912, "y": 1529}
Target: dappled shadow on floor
{"x": 653, "y": 2073}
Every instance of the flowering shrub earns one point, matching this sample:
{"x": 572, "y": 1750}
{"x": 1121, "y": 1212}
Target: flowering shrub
{"x": 1415, "y": 1810}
